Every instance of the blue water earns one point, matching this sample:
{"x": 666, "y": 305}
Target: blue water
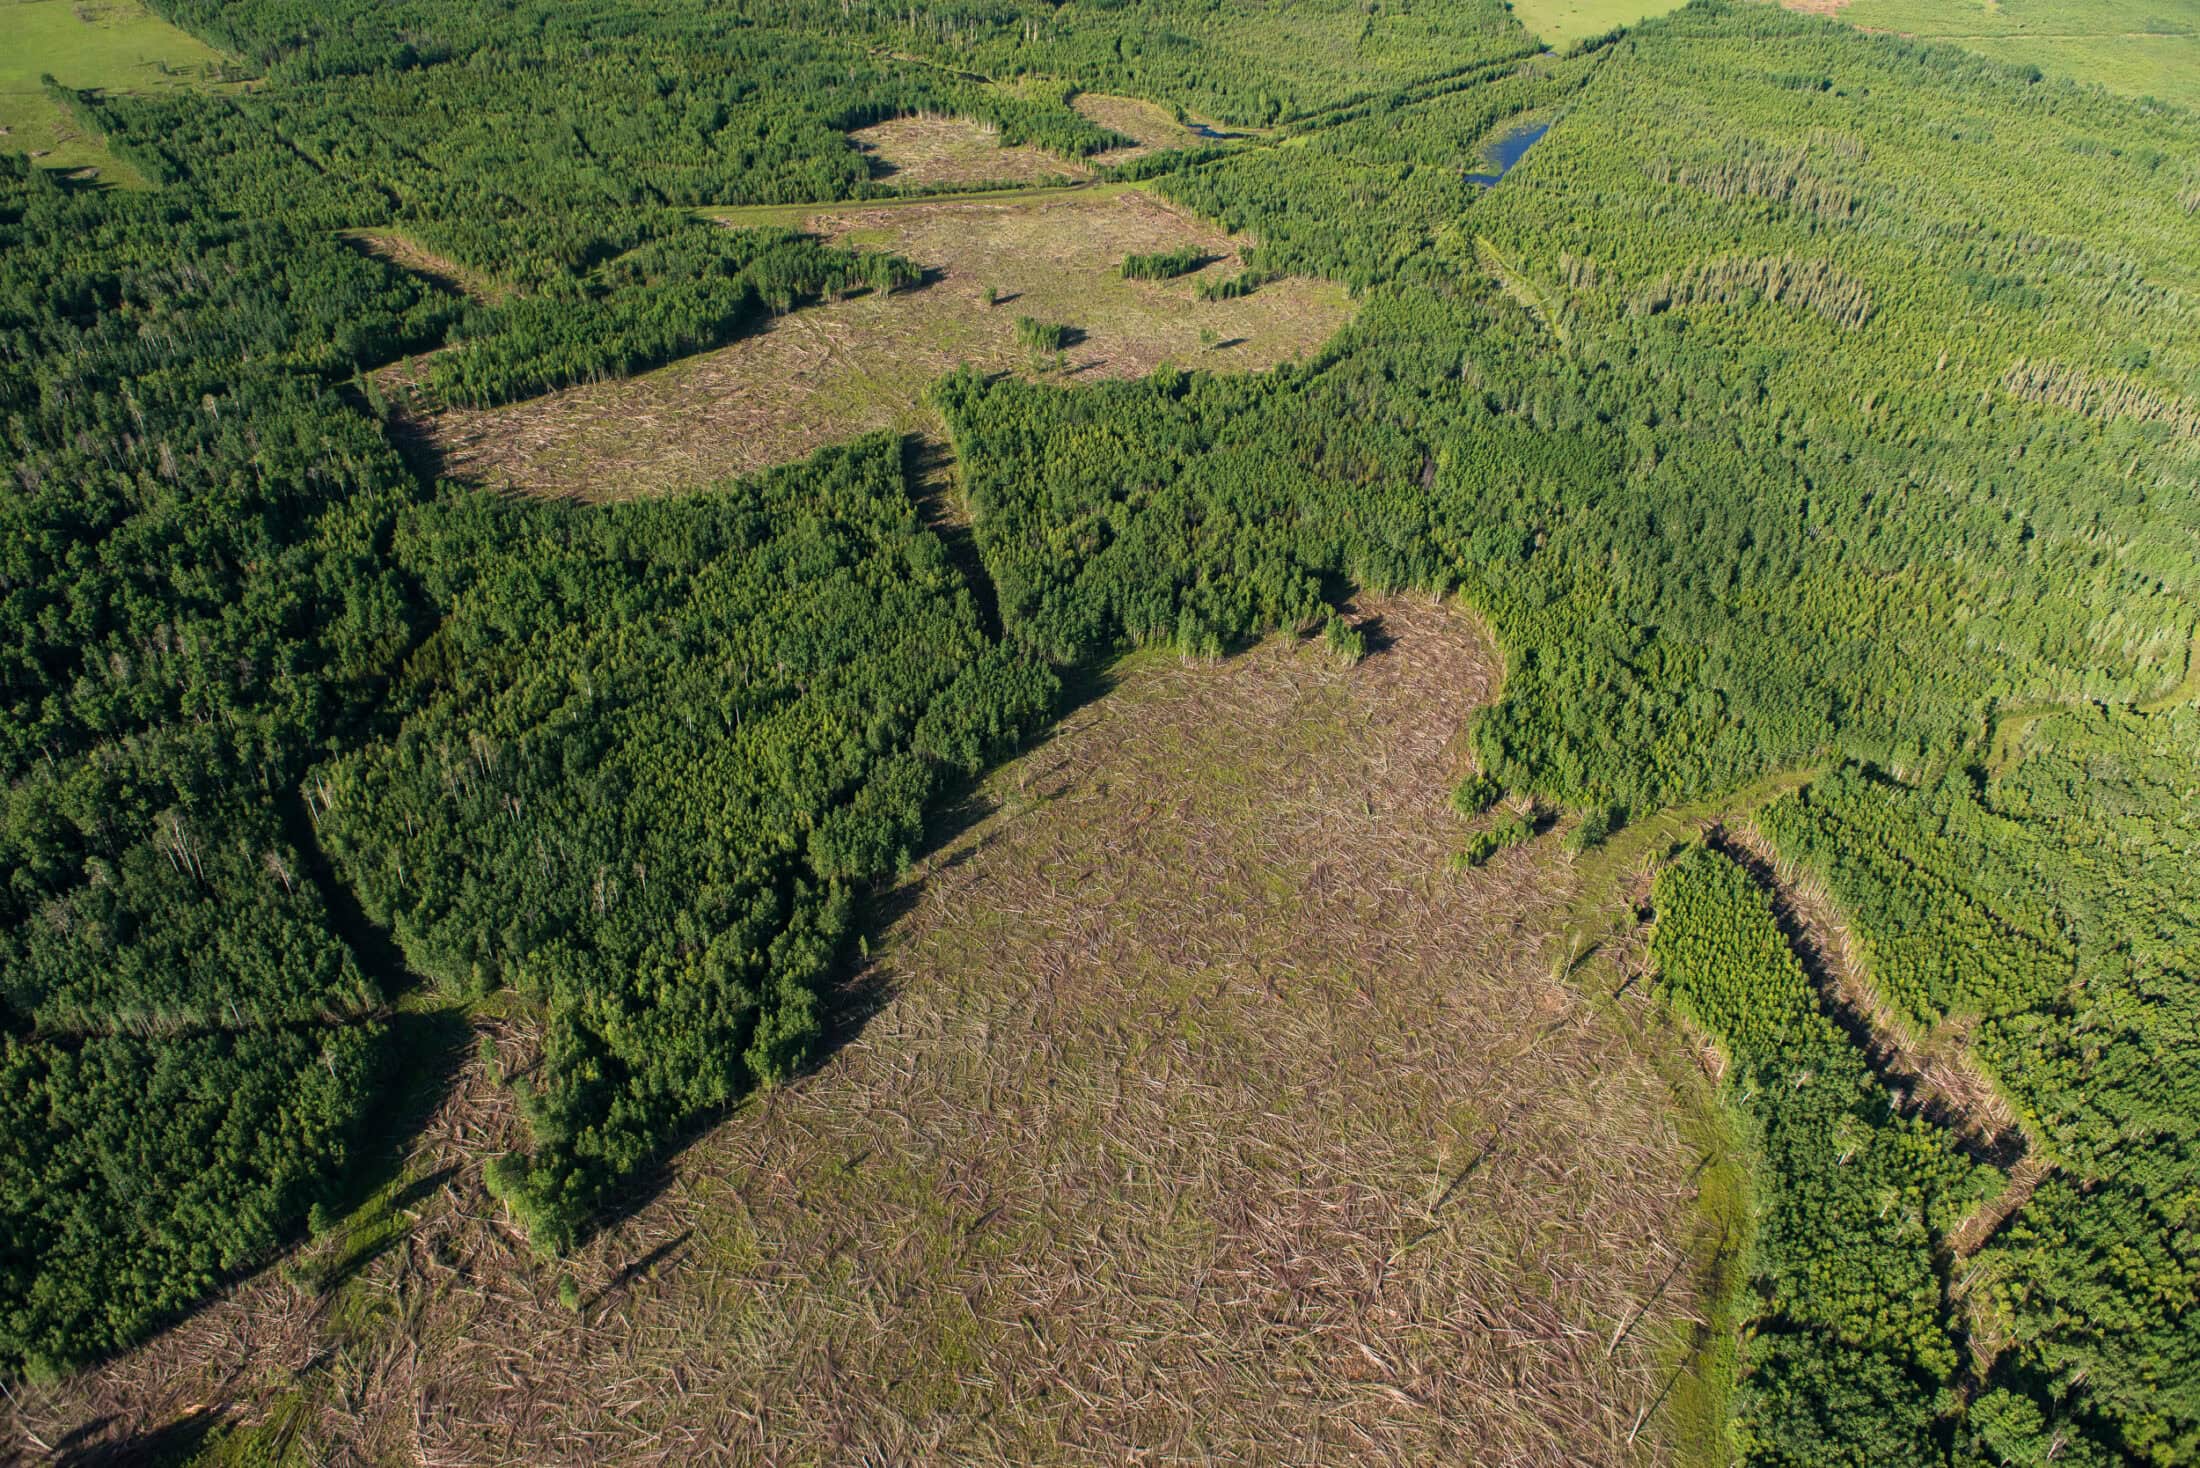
{"x": 1507, "y": 151}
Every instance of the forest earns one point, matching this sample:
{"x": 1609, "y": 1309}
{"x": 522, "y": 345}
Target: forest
{"x": 2046, "y": 903}
{"x": 1848, "y": 1341}
{"x": 1805, "y": 402}
{"x": 642, "y": 766}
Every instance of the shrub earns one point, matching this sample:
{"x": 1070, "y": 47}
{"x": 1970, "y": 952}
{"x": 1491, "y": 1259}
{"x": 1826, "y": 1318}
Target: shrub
{"x": 1474, "y": 795}
{"x": 1348, "y": 642}
{"x": 1596, "y": 824}
{"x": 1041, "y": 336}
{"x": 1511, "y": 831}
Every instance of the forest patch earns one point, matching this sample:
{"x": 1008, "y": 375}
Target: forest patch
{"x": 849, "y": 366}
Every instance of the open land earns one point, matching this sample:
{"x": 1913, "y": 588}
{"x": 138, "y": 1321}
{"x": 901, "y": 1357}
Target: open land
{"x": 116, "y": 45}
{"x": 930, "y": 151}
{"x": 1302, "y": 1150}
{"x": 832, "y": 370}
{"x": 1560, "y": 23}
{"x": 2142, "y": 48}
{"x": 1154, "y": 127}
{"x": 2137, "y": 47}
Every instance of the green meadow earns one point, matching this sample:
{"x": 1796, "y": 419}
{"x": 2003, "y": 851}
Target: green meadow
{"x": 117, "y": 45}
{"x": 1560, "y": 23}
{"x": 2141, "y": 48}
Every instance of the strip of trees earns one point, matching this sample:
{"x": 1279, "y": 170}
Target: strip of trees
{"x": 1847, "y": 1342}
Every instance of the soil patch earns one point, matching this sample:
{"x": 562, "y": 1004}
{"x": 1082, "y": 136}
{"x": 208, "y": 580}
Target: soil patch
{"x": 831, "y": 371}
{"x": 928, "y": 151}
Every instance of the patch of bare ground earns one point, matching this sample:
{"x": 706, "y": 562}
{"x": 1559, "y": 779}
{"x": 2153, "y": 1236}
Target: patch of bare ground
{"x": 833, "y": 370}
{"x": 929, "y": 150}
{"x": 1831, "y": 9}
{"x": 1154, "y": 126}
{"x": 1194, "y": 1115}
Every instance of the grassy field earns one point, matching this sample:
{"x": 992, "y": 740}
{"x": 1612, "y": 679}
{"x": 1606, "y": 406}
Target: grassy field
{"x": 2143, "y": 48}
{"x": 113, "y": 44}
{"x": 1560, "y": 23}
{"x": 931, "y": 152}
{"x": 1305, "y": 1151}
{"x": 830, "y": 371}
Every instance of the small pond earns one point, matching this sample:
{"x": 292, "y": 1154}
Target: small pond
{"x": 1508, "y": 150}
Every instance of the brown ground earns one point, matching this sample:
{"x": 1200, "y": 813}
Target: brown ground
{"x": 1153, "y": 126}
{"x": 918, "y": 152}
{"x": 828, "y": 372}
{"x": 1204, "y": 1119}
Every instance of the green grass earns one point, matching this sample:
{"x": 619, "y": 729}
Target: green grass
{"x": 1694, "y": 1419}
{"x": 2142, "y": 48}
{"x": 1560, "y": 23}
{"x": 1698, "y": 1410}
{"x": 116, "y": 45}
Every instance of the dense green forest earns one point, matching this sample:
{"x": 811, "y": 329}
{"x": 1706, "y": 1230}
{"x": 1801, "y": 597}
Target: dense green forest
{"x": 2049, "y": 907}
{"x": 197, "y": 599}
{"x": 1848, "y": 1339}
{"x": 1804, "y": 401}
{"x": 641, "y": 766}
{"x": 2045, "y": 908}
{"x": 1720, "y": 527}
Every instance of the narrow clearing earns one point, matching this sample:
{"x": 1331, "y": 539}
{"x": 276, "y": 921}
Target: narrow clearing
{"x": 830, "y": 371}
{"x": 1198, "y": 1116}
{"x": 929, "y": 151}
{"x": 1931, "y": 1074}
{"x": 438, "y": 270}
